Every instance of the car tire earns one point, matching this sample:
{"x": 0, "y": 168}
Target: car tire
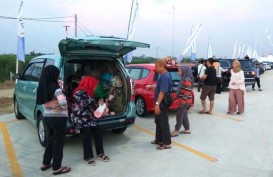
{"x": 141, "y": 109}
{"x": 42, "y": 131}
{"x": 119, "y": 130}
{"x": 17, "y": 113}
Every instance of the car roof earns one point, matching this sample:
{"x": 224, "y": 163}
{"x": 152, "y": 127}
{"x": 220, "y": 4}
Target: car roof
{"x": 150, "y": 65}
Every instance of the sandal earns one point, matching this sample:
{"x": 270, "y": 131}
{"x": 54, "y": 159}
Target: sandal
{"x": 185, "y": 132}
{"x": 163, "y": 147}
{"x": 45, "y": 167}
{"x": 174, "y": 133}
{"x": 90, "y": 162}
{"x": 103, "y": 157}
{"x": 155, "y": 142}
{"x": 62, "y": 170}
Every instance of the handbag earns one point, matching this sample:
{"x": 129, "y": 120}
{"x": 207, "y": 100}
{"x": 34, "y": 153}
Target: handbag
{"x": 167, "y": 99}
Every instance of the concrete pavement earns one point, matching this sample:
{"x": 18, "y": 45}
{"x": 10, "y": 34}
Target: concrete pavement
{"x": 219, "y": 145}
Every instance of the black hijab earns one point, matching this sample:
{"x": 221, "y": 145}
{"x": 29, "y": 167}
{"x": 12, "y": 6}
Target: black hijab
{"x": 186, "y": 75}
{"x": 48, "y": 84}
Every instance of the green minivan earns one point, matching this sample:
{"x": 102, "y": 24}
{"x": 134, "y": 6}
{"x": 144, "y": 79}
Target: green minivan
{"x": 99, "y": 56}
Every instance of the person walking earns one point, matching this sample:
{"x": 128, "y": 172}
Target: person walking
{"x": 51, "y": 96}
{"x": 200, "y": 72}
{"x": 236, "y": 89}
{"x": 82, "y": 116}
{"x": 209, "y": 87}
{"x": 257, "y": 77}
{"x": 162, "y": 134}
{"x": 184, "y": 95}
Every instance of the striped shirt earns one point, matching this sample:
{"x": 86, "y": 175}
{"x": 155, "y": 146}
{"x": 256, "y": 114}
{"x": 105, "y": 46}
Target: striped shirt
{"x": 57, "y": 107}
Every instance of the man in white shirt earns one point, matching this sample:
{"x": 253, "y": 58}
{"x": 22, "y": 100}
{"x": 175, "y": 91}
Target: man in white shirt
{"x": 200, "y": 72}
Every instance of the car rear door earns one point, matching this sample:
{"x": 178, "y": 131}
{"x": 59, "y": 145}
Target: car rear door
{"x": 98, "y": 47}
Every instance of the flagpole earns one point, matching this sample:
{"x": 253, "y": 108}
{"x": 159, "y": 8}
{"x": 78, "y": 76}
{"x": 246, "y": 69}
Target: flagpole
{"x": 130, "y": 19}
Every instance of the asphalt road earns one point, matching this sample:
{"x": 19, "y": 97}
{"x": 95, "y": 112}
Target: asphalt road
{"x": 220, "y": 145}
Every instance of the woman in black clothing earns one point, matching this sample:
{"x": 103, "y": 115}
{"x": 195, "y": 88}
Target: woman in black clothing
{"x": 51, "y": 96}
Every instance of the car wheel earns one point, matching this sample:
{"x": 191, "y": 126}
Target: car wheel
{"x": 119, "y": 130}
{"x": 17, "y": 113}
{"x": 42, "y": 132}
{"x": 140, "y": 107}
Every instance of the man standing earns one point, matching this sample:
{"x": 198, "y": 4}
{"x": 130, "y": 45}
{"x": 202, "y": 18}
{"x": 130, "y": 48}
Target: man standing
{"x": 209, "y": 87}
{"x": 257, "y": 77}
{"x": 162, "y": 134}
{"x": 200, "y": 72}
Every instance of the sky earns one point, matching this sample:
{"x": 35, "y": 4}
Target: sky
{"x": 165, "y": 24}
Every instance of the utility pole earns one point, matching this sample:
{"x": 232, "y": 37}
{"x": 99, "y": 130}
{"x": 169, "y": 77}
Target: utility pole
{"x": 76, "y": 21}
{"x": 66, "y": 26}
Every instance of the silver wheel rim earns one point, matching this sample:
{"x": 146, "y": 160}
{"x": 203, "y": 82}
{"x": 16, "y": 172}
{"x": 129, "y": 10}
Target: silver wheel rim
{"x": 41, "y": 131}
{"x": 140, "y": 106}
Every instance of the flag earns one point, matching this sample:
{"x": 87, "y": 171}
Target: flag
{"x": 242, "y": 50}
{"x": 193, "y": 47}
{"x": 234, "y": 50}
{"x": 209, "y": 50}
{"x": 239, "y": 50}
{"x": 133, "y": 18}
{"x": 131, "y": 27}
{"x": 21, "y": 35}
{"x": 191, "y": 40}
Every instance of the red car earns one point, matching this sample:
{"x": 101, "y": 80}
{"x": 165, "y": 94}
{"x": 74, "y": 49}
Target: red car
{"x": 145, "y": 78}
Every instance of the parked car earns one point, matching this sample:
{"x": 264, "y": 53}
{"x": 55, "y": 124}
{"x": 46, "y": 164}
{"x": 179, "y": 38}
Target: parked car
{"x": 194, "y": 69}
{"x": 145, "y": 78}
{"x": 267, "y": 65}
{"x": 246, "y": 67}
{"x": 98, "y": 54}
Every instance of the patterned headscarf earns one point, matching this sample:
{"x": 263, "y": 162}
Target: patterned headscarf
{"x": 186, "y": 75}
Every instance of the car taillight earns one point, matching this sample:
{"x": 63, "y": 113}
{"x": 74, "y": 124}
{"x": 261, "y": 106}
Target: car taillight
{"x": 132, "y": 83}
{"x": 150, "y": 86}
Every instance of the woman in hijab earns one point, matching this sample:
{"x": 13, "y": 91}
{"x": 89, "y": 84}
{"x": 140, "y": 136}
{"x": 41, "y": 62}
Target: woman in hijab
{"x": 82, "y": 116}
{"x": 236, "y": 89}
{"x": 51, "y": 96}
{"x": 184, "y": 95}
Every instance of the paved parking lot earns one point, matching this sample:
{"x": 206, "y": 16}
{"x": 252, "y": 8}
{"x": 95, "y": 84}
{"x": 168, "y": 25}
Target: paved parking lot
{"x": 220, "y": 145}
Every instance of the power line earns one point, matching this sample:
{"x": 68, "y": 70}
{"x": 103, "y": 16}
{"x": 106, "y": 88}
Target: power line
{"x": 46, "y": 20}
{"x": 85, "y": 27}
{"x": 82, "y": 30}
{"x": 52, "y": 19}
{"x": 40, "y": 19}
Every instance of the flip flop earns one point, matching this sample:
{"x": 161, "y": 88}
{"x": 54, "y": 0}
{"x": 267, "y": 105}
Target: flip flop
{"x": 45, "y": 167}
{"x": 163, "y": 147}
{"x": 202, "y": 112}
{"x": 174, "y": 135}
{"x": 62, "y": 170}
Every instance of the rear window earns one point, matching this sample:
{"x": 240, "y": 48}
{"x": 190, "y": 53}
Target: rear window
{"x": 173, "y": 72}
{"x": 246, "y": 65}
{"x": 224, "y": 64}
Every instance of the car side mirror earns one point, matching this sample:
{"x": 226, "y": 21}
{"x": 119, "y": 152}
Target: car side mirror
{"x": 16, "y": 76}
